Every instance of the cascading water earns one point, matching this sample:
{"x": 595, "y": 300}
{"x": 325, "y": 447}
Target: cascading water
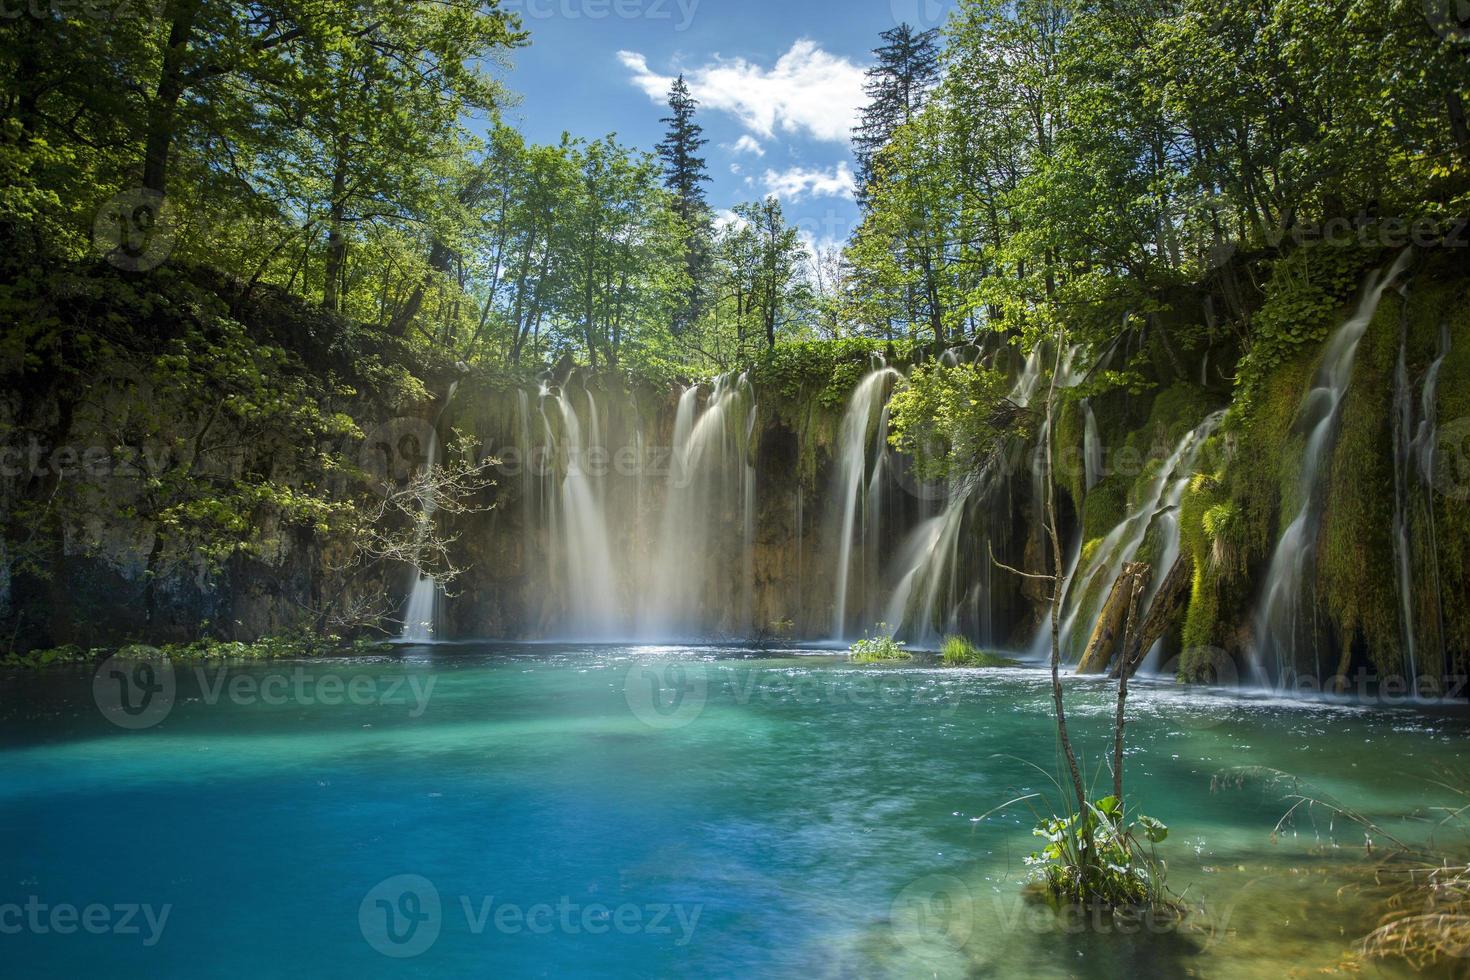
{"x": 425, "y": 596}
{"x": 711, "y": 487}
{"x": 1282, "y": 626}
{"x": 420, "y": 616}
{"x": 1414, "y": 445}
{"x": 1085, "y": 590}
{"x": 864, "y": 429}
{"x": 1092, "y": 448}
{"x": 593, "y": 611}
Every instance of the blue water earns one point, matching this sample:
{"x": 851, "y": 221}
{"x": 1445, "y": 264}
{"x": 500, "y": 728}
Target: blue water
{"x": 651, "y": 812}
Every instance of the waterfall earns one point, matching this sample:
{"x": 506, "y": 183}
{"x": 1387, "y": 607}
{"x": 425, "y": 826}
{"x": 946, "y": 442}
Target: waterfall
{"x": 1092, "y": 448}
{"x": 864, "y": 427}
{"x": 1413, "y": 448}
{"x": 1084, "y": 591}
{"x": 421, "y": 613}
{"x": 1282, "y": 616}
{"x": 1403, "y": 420}
{"x": 593, "y": 609}
{"x": 710, "y": 488}
{"x": 924, "y": 603}
{"x": 421, "y": 616}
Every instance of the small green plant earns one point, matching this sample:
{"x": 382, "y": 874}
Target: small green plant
{"x": 1101, "y": 857}
{"x": 960, "y": 652}
{"x": 41, "y": 659}
{"x": 879, "y": 649}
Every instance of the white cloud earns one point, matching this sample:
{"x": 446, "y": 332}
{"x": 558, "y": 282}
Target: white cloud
{"x": 797, "y": 183}
{"x": 807, "y": 91}
{"x": 735, "y": 169}
{"x": 726, "y": 218}
{"x": 747, "y": 144}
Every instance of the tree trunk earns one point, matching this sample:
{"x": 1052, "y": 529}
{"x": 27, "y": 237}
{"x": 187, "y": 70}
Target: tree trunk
{"x": 1113, "y": 621}
{"x": 1163, "y": 615}
{"x": 336, "y": 237}
{"x": 171, "y": 87}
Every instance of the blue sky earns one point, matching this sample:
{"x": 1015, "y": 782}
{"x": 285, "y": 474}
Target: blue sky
{"x": 779, "y": 85}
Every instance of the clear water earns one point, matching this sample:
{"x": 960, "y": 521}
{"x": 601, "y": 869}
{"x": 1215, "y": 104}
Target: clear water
{"x": 818, "y": 818}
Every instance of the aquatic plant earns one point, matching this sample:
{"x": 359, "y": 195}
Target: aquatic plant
{"x": 1099, "y": 856}
{"x": 879, "y": 648}
{"x": 960, "y": 652}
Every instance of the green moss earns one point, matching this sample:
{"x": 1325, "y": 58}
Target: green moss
{"x": 1197, "y": 545}
{"x": 1265, "y": 464}
{"x": 1104, "y": 508}
{"x": 1356, "y": 553}
{"x": 1069, "y": 460}
{"x": 1448, "y": 304}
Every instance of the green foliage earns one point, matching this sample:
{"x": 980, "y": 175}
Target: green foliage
{"x": 53, "y": 657}
{"x": 300, "y": 645}
{"x": 960, "y": 652}
{"x": 1304, "y": 297}
{"x": 825, "y": 371}
{"x": 1103, "y": 857}
{"x": 881, "y": 648}
{"x": 952, "y": 420}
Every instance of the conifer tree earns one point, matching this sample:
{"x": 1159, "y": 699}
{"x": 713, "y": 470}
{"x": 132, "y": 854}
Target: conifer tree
{"x": 907, "y": 68}
{"x": 685, "y": 173}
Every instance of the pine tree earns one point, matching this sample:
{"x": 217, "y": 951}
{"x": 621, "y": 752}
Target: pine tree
{"x": 685, "y": 174}
{"x": 907, "y": 68}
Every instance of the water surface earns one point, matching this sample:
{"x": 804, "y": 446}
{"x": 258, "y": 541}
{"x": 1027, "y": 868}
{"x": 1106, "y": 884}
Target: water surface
{"x": 657, "y": 811}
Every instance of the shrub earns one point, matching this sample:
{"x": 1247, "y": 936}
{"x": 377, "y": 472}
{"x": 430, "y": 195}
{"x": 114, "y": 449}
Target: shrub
{"x": 879, "y": 649}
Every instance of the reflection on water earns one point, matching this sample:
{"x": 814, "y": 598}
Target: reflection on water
{"x": 617, "y": 811}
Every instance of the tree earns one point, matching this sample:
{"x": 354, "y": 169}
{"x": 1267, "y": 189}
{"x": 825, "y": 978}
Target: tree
{"x": 907, "y": 68}
{"x": 685, "y": 173}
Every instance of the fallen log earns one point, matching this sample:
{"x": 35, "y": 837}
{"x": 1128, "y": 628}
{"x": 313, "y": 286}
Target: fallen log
{"x": 1164, "y": 613}
{"x": 1112, "y": 620}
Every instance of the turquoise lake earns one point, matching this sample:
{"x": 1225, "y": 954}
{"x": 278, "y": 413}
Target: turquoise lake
{"x": 643, "y": 811}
